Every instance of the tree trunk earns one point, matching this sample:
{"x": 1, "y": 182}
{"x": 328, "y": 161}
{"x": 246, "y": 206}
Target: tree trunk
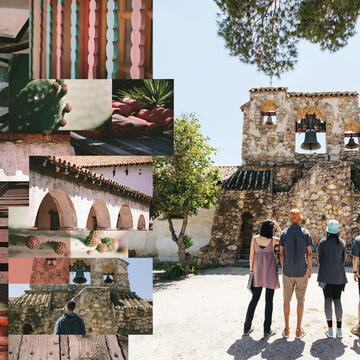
{"x": 179, "y": 239}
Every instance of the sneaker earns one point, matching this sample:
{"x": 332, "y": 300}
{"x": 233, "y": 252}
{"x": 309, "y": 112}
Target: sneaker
{"x": 329, "y": 333}
{"x": 339, "y": 334}
{"x": 270, "y": 333}
{"x": 246, "y": 333}
{"x": 286, "y": 333}
{"x": 300, "y": 334}
{"x": 356, "y": 330}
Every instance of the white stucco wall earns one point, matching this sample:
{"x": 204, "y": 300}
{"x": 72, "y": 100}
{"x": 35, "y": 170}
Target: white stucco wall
{"x": 139, "y": 176}
{"x": 82, "y": 199}
{"x": 157, "y": 243}
{"x": 14, "y": 159}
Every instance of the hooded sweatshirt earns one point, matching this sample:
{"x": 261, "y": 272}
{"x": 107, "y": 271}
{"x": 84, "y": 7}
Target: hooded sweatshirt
{"x": 69, "y": 324}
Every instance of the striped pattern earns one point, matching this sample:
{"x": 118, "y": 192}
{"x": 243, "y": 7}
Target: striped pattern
{"x": 91, "y": 38}
{"x": 248, "y": 180}
{"x": 129, "y": 301}
{"x": 31, "y": 299}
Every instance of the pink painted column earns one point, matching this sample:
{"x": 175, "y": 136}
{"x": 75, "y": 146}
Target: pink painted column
{"x": 59, "y": 37}
{"x": 138, "y": 20}
{"x": 93, "y": 43}
{"x": 36, "y": 30}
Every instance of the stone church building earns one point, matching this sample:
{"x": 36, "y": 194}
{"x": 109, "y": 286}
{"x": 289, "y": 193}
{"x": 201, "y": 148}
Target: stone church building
{"x": 276, "y": 176}
{"x": 106, "y": 305}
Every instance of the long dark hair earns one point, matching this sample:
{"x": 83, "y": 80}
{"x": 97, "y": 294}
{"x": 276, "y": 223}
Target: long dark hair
{"x": 267, "y": 228}
{"x": 336, "y": 235}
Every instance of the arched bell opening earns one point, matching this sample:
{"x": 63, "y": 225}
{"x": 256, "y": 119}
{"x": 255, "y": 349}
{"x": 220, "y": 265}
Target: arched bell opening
{"x": 310, "y": 137}
{"x": 268, "y": 112}
{"x": 351, "y": 141}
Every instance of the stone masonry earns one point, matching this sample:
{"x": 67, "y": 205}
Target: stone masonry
{"x": 106, "y": 308}
{"x": 274, "y": 178}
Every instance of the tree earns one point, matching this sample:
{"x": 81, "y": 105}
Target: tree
{"x": 186, "y": 181}
{"x": 266, "y": 32}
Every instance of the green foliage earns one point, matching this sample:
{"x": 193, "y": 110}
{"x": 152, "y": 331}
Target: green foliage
{"x": 175, "y": 271}
{"x": 266, "y": 32}
{"x": 39, "y": 106}
{"x": 186, "y": 181}
{"x": 188, "y": 241}
{"x": 109, "y": 242}
{"x": 154, "y": 92}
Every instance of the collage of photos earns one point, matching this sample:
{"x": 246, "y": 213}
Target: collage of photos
{"x": 179, "y": 180}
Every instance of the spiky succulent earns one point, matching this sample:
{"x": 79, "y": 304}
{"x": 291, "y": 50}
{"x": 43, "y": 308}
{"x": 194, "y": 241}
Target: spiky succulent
{"x": 60, "y": 248}
{"x": 92, "y": 240}
{"x": 102, "y": 248}
{"x": 109, "y": 243}
{"x": 32, "y": 242}
{"x": 99, "y": 233}
{"x": 40, "y": 106}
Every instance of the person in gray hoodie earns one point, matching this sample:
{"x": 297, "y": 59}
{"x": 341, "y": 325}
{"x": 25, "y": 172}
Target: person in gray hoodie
{"x": 331, "y": 276}
{"x": 70, "y": 323}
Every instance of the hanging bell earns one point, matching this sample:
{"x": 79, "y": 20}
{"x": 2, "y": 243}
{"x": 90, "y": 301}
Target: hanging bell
{"x": 351, "y": 145}
{"x": 310, "y": 141}
{"x": 108, "y": 279}
{"x": 269, "y": 120}
{"x": 79, "y": 277}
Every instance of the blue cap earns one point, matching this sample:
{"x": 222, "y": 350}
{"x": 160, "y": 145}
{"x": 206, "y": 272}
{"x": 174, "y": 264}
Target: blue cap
{"x": 333, "y": 227}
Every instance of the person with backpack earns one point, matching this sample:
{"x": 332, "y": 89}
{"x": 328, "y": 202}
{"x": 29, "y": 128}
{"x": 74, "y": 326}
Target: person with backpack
{"x": 331, "y": 276}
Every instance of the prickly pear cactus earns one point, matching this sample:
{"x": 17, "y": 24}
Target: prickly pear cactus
{"x": 92, "y": 240}
{"x": 60, "y": 248}
{"x": 40, "y": 106}
{"x": 102, "y": 248}
{"x": 109, "y": 242}
{"x": 32, "y": 242}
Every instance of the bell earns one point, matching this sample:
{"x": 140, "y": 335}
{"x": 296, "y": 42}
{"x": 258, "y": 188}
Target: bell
{"x": 79, "y": 277}
{"x": 351, "y": 144}
{"x": 108, "y": 279}
{"x": 310, "y": 142}
{"x": 269, "y": 120}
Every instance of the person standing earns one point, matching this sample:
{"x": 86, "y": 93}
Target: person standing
{"x": 70, "y": 323}
{"x": 295, "y": 245}
{"x": 265, "y": 274}
{"x": 331, "y": 276}
{"x": 355, "y": 252}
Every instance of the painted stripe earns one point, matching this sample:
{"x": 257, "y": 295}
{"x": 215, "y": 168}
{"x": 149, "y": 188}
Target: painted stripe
{"x": 31, "y": 40}
{"x": 59, "y": 37}
{"x": 74, "y": 39}
{"x": 49, "y": 24}
{"x": 112, "y": 37}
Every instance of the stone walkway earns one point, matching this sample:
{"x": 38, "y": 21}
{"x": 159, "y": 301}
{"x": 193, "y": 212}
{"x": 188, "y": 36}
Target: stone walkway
{"x": 201, "y": 317}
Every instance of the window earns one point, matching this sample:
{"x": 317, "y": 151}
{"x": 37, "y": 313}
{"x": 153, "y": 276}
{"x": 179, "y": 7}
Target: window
{"x": 268, "y": 112}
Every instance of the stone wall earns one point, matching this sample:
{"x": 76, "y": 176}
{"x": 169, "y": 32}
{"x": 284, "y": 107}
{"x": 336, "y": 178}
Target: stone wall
{"x": 324, "y": 192}
{"x": 275, "y": 144}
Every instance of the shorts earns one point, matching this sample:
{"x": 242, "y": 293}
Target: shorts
{"x": 297, "y": 283}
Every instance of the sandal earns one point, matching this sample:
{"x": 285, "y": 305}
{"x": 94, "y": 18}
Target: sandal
{"x": 300, "y": 333}
{"x": 247, "y": 333}
{"x": 286, "y": 333}
{"x": 270, "y": 333}
{"x": 356, "y": 330}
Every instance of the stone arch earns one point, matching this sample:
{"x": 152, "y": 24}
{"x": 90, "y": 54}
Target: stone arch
{"x": 352, "y": 125}
{"x": 125, "y": 218}
{"x": 99, "y": 217}
{"x": 141, "y": 223}
{"x": 246, "y": 233}
{"x": 268, "y": 105}
{"x": 27, "y": 329}
{"x": 310, "y": 109}
{"x": 56, "y": 211}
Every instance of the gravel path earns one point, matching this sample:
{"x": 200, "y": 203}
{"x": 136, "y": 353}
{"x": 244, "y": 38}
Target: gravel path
{"x": 201, "y": 317}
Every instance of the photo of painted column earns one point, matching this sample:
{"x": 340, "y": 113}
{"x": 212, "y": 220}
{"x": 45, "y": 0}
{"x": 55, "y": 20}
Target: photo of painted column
{"x": 80, "y": 39}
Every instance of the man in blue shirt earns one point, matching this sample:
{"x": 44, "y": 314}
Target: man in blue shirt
{"x": 69, "y": 323}
{"x": 295, "y": 245}
{"x": 355, "y": 252}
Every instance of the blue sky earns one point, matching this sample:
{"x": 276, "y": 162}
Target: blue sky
{"x": 140, "y": 277}
{"x": 214, "y": 85}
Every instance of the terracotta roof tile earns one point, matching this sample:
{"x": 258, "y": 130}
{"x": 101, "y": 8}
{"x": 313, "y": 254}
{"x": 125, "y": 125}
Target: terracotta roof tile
{"x": 129, "y": 301}
{"x": 31, "y": 299}
{"x": 101, "y": 161}
{"x": 58, "y": 165}
{"x": 268, "y": 89}
{"x": 225, "y": 172}
{"x": 248, "y": 180}
{"x": 322, "y": 94}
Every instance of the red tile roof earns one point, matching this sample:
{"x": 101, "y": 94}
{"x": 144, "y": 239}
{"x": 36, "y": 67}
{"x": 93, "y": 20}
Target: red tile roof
{"x": 102, "y": 161}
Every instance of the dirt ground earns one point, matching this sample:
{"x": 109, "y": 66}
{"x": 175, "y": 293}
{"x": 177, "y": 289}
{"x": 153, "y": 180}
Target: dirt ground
{"x": 201, "y": 317}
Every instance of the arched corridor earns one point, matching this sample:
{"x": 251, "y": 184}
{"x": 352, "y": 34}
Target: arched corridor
{"x": 99, "y": 217}
{"x": 141, "y": 223}
{"x": 125, "y": 220}
{"x": 56, "y": 211}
